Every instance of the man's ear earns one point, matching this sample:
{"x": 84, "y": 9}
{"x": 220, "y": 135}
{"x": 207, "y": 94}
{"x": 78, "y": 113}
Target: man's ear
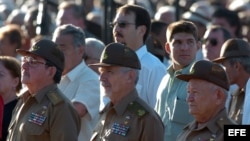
{"x": 167, "y": 48}
{"x": 142, "y": 29}
{"x": 131, "y": 76}
{"x": 237, "y": 65}
{"x": 81, "y": 50}
{"x": 199, "y": 44}
{"x": 52, "y": 71}
{"x": 220, "y": 96}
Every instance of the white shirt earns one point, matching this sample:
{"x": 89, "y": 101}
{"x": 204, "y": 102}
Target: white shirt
{"x": 246, "y": 106}
{"x": 82, "y": 85}
{"x": 151, "y": 74}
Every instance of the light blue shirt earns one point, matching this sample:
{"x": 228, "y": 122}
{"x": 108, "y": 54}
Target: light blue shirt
{"x": 171, "y": 103}
{"x": 246, "y": 106}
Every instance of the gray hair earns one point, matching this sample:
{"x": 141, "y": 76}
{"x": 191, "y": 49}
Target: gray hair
{"x": 77, "y": 33}
{"x": 125, "y": 69}
{"x": 244, "y": 61}
{"x": 96, "y": 45}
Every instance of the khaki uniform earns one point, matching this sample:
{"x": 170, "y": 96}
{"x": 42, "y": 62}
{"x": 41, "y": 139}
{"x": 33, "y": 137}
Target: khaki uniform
{"x": 236, "y": 106}
{"x": 211, "y": 131}
{"x": 47, "y": 116}
{"x": 131, "y": 120}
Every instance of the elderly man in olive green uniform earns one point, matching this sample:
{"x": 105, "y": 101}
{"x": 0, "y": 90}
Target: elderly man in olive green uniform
{"x": 42, "y": 112}
{"x": 235, "y": 57}
{"x": 207, "y": 93}
{"x": 126, "y": 116}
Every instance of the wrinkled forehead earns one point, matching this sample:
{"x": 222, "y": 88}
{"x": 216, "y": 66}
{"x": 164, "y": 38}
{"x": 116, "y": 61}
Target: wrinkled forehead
{"x": 199, "y": 84}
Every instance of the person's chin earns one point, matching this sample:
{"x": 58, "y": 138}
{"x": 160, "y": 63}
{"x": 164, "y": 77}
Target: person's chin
{"x": 25, "y": 80}
{"x": 107, "y": 93}
{"x": 118, "y": 40}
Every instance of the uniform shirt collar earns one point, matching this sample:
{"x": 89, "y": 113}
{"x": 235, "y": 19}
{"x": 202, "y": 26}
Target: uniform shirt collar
{"x": 211, "y": 125}
{"x": 40, "y": 94}
{"x": 121, "y": 107}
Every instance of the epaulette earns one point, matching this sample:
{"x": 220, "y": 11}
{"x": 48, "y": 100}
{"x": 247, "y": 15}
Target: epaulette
{"x": 224, "y": 121}
{"x": 54, "y": 97}
{"x": 137, "y": 109}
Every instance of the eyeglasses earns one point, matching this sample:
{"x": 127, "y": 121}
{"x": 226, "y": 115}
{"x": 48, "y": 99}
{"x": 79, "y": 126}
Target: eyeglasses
{"x": 120, "y": 24}
{"x": 32, "y": 62}
{"x": 211, "y": 41}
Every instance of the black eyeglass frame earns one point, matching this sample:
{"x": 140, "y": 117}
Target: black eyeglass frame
{"x": 212, "y": 41}
{"x": 119, "y": 24}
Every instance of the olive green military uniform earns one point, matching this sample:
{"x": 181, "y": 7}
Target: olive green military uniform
{"x": 130, "y": 120}
{"x": 236, "y": 106}
{"x": 210, "y": 131}
{"x": 47, "y": 116}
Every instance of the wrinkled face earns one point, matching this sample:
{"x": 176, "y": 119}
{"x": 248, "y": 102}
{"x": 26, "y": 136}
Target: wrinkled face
{"x": 125, "y": 30}
{"x": 113, "y": 80}
{"x": 201, "y": 97}
{"x": 73, "y": 55}
{"x": 212, "y": 43}
{"x": 182, "y": 49}
{"x": 231, "y": 70}
{"x": 34, "y": 70}
{"x": 7, "y": 82}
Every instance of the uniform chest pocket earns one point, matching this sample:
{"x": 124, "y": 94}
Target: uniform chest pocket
{"x": 35, "y": 125}
{"x": 33, "y": 129}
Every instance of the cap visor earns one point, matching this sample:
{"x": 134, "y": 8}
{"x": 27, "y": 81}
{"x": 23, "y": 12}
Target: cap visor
{"x": 219, "y": 60}
{"x": 23, "y": 52}
{"x": 100, "y": 65}
{"x": 187, "y": 77}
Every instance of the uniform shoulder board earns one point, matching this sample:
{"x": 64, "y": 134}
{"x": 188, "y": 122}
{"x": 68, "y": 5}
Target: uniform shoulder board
{"x": 224, "y": 121}
{"x": 54, "y": 97}
{"x": 137, "y": 109}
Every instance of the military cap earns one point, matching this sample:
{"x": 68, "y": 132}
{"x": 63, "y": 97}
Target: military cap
{"x": 117, "y": 54}
{"x": 233, "y": 48}
{"x": 209, "y": 71}
{"x": 48, "y": 50}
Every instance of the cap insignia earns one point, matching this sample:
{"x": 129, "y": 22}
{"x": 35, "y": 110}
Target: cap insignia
{"x": 192, "y": 71}
{"x": 216, "y": 68}
{"x": 35, "y": 48}
{"x": 105, "y": 56}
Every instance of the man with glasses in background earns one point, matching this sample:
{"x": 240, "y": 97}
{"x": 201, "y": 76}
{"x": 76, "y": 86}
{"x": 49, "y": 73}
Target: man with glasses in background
{"x": 131, "y": 27}
{"x": 213, "y": 40}
{"x": 42, "y": 112}
{"x": 235, "y": 56}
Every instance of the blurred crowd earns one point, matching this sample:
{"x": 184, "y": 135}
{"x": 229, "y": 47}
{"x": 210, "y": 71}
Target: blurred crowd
{"x": 34, "y": 19}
